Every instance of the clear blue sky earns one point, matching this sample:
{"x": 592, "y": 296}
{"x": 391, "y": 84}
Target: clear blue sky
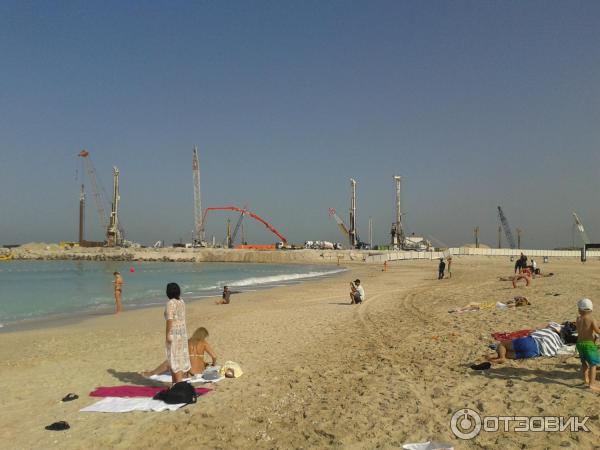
{"x": 476, "y": 104}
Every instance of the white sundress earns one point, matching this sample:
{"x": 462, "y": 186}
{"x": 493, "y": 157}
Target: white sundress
{"x": 177, "y": 350}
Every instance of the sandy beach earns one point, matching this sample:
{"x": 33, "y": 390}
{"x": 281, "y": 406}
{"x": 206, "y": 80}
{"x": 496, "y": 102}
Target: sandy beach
{"x": 318, "y": 371}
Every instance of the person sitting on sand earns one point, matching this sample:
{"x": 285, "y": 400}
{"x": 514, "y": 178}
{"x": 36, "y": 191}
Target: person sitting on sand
{"x": 544, "y": 341}
{"x": 225, "y": 297}
{"x": 197, "y": 347}
{"x": 357, "y": 292}
{"x": 586, "y": 345}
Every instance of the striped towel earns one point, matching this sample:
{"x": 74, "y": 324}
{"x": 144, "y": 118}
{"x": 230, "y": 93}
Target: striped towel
{"x": 547, "y": 341}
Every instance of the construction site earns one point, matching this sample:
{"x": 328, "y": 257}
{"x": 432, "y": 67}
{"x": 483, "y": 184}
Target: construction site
{"x": 235, "y": 237}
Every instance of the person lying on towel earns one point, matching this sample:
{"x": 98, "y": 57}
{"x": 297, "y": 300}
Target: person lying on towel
{"x": 545, "y": 341}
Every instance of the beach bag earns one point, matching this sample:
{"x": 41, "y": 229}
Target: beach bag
{"x": 568, "y": 333}
{"x": 211, "y": 374}
{"x": 181, "y": 392}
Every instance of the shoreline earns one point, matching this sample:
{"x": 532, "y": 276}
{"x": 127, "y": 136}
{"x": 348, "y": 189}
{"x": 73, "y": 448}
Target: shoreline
{"x": 66, "y": 318}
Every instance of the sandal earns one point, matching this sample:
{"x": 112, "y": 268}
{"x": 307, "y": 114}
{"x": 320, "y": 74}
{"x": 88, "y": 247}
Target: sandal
{"x": 69, "y": 397}
{"x": 58, "y": 426}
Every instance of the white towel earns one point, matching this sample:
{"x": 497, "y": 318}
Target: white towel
{"x": 120, "y": 404}
{"x": 568, "y": 350}
{"x": 166, "y": 378}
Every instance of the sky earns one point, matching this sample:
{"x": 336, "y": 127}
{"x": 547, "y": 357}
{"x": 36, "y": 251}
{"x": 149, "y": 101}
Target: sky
{"x": 475, "y": 104}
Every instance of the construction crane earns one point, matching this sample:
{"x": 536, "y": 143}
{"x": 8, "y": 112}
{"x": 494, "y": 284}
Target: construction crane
{"x": 98, "y": 194}
{"x": 506, "y": 227}
{"x": 340, "y": 223}
{"x": 582, "y": 233}
{"x": 198, "y": 223}
{"x": 237, "y": 227}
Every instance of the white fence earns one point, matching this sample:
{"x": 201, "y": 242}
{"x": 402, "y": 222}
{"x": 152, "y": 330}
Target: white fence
{"x": 379, "y": 258}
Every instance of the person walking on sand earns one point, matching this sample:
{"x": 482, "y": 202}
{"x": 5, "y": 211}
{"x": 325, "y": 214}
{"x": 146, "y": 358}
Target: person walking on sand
{"x": 176, "y": 338}
{"x": 118, "y": 282}
{"x": 441, "y": 269}
{"x": 357, "y": 292}
{"x": 449, "y": 266}
{"x": 588, "y": 352}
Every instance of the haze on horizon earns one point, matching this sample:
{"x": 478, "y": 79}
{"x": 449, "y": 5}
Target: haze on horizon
{"x": 475, "y": 104}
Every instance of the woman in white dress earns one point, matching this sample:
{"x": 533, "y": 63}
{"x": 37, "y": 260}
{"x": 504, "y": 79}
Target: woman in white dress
{"x": 176, "y": 334}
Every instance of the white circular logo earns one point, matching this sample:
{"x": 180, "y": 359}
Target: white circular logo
{"x": 465, "y": 424}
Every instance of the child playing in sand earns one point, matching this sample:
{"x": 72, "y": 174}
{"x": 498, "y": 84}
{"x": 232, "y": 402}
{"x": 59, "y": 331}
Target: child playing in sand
{"x": 197, "y": 346}
{"x": 588, "y": 352}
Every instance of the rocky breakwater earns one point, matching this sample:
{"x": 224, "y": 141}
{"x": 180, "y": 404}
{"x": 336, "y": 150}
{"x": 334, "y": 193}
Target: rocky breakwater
{"x": 42, "y": 251}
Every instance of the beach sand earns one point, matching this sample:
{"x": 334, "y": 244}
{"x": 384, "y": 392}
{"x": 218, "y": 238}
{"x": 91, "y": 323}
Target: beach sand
{"x": 318, "y": 371}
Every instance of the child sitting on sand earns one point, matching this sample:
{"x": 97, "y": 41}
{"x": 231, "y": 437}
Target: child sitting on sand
{"x": 588, "y": 352}
{"x": 197, "y": 346}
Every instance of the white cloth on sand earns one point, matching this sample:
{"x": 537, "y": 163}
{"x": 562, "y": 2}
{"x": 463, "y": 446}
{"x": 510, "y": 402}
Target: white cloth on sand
{"x": 166, "y": 378}
{"x": 120, "y": 404}
{"x": 568, "y": 350}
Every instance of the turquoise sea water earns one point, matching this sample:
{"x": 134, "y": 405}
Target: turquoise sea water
{"x": 37, "y": 289}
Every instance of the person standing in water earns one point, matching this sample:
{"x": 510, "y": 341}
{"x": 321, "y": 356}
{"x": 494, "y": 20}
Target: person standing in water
{"x": 118, "y": 282}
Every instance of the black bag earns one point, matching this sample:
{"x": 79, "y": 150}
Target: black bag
{"x": 568, "y": 333}
{"x": 181, "y": 392}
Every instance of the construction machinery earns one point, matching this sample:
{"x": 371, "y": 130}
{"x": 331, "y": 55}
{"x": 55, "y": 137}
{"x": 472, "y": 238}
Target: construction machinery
{"x": 506, "y": 228}
{"x": 82, "y": 215}
{"x": 114, "y": 234}
{"x": 340, "y": 223}
{"x": 353, "y": 235}
{"x": 397, "y": 232}
{"x": 239, "y": 224}
{"x": 98, "y": 193}
{"x": 244, "y": 212}
{"x": 112, "y": 225}
{"x": 584, "y": 237}
{"x": 198, "y": 238}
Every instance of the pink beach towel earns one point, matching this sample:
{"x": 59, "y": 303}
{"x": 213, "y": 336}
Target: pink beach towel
{"x": 135, "y": 391}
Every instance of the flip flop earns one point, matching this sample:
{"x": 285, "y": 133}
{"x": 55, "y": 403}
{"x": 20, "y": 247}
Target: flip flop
{"x": 482, "y": 366}
{"x": 69, "y": 397}
{"x": 58, "y": 426}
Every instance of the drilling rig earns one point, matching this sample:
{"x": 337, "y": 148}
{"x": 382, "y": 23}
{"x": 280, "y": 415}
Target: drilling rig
{"x": 114, "y": 235}
{"x": 352, "y": 234}
{"x": 397, "y": 232}
{"x": 112, "y": 226}
{"x": 198, "y": 222}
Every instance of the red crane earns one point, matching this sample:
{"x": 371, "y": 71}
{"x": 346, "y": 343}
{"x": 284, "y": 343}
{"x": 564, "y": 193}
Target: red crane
{"x": 246, "y": 213}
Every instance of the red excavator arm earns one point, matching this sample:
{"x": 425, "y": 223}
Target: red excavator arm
{"x": 245, "y": 212}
